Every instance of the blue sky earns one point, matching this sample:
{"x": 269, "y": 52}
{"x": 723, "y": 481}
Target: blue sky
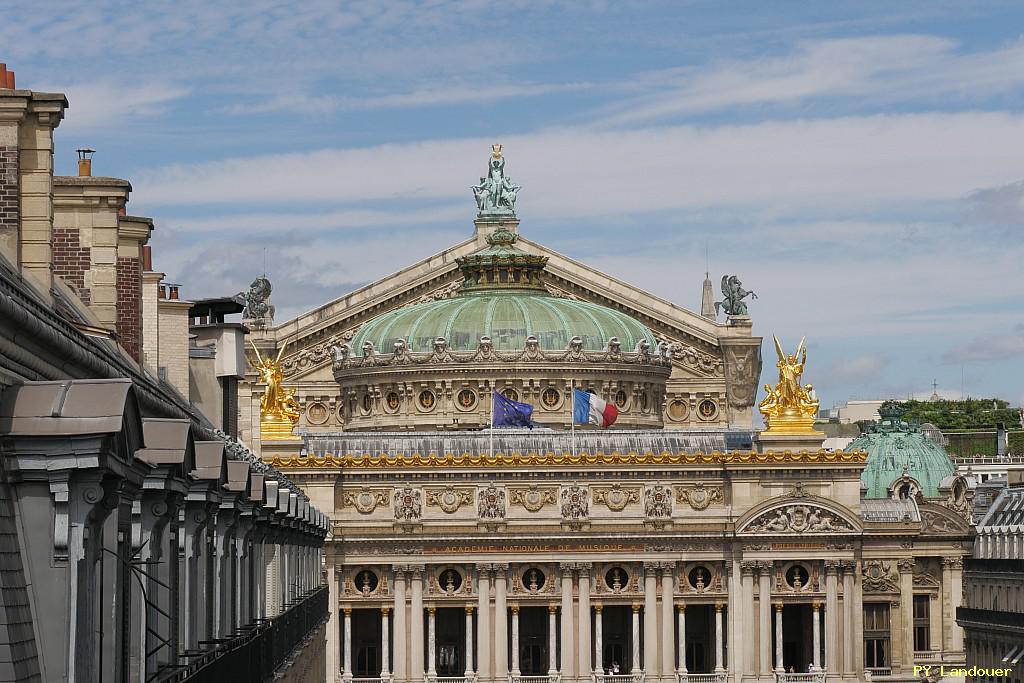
{"x": 859, "y": 165}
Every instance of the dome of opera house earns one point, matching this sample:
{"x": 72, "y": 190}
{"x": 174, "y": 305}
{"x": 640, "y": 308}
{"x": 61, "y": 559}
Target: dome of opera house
{"x": 503, "y": 299}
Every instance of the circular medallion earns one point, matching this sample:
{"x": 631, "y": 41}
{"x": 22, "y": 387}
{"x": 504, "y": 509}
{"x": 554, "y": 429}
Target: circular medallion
{"x": 550, "y": 398}
{"x": 533, "y": 579}
{"x": 449, "y": 580}
{"x": 510, "y": 393}
{"x": 796, "y": 577}
{"x": 616, "y": 579}
{"x": 317, "y": 413}
{"x": 427, "y": 400}
{"x": 620, "y": 399}
{"x": 367, "y": 404}
{"x": 707, "y": 409}
{"x": 365, "y": 502}
{"x": 678, "y": 410}
{"x": 699, "y": 578}
{"x": 393, "y": 401}
{"x": 366, "y": 582}
{"x": 466, "y": 399}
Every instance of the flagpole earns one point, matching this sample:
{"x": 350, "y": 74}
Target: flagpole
{"x": 572, "y": 416}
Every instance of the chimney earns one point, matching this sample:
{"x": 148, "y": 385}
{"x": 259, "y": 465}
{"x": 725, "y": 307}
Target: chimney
{"x": 85, "y": 161}
{"x": 6, "y": 77}
{"x": 147, "y": 258}
{"x": 172, "y": 292}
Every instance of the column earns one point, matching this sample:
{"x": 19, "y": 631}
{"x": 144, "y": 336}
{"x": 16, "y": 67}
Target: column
{"x": 848, "y": 630}
{"x": 956, "y": 594}
{"x": 483, "y": 637}
{"x": 431, "y": 643}
{"x": 331, "y": 655}
{"x": 552, "y": 638}
{"x": 469, "y": 641}
{"x": 583, "y": 648}
{"x": 599, "y": 663}
{"x": 500, "y": 623}
{"x": 650, "y": 618}
{"x": 906, "y": 567}
{"x": 416, "y": 625}
{"x": 816, "y": 625}
{"x": 567, "y": 621}
{"x": 346, "y": 664}
{"x": 858, "y": 620}
{"x": 832, "y": 616}
{"x": 764, "y": 591}
{"x": 635, "y": 662}
{"x": 668, "y": 664}
{"x": 385, "y": 642}
{"x": 718, "y": 638}
{"x": 744, "y": 627}
{"x": 400, "y": 631}
{"x": 515, "y": 639}
{"x": 732, "y": 657}
{"x": 681, "y": 668}
{"x": 778, "y": 638}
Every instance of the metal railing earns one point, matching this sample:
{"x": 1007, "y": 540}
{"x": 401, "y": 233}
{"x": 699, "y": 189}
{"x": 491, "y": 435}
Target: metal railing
{"x": 258, "y": 650}
{"x": 813, "y": 677}
{"x": 720, "y": 677}
{"x": 873, "y": 671}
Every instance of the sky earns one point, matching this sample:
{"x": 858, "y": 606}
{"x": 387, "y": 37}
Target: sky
{"x": 860, "y": 166}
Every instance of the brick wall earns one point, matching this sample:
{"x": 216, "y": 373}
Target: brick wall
{"x": 129, "y": 304}
{"x": 9, "y": 193}
{"x": 71, "y": 260}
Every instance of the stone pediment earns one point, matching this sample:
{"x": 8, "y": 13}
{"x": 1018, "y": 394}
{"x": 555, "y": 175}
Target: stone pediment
{"x": 798, "y": 514}
{"x": 695, "y": 340}
{"x": 940, "y": 521}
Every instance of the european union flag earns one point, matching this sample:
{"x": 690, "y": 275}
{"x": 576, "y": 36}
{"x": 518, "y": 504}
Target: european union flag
{"x": 509, "y": 413}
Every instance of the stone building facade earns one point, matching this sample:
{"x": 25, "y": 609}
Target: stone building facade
{"x": 138, "y": 542}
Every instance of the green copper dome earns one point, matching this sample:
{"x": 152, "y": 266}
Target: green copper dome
{"x": 502, "y": 297}
{"x": 894, "y": 448}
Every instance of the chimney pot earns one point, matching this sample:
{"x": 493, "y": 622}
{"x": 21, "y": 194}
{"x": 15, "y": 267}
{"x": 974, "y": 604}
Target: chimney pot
{"x": 10, "y": 79}
{"x": 147, "y": 258}
{"x": 161, "y": 291}
{"x": 85, "y": 160}
{"x": 173, "y": 294}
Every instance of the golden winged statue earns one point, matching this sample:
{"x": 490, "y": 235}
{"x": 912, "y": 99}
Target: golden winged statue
{"x": 279, "y": 411}
{"x": 788, "y": 406}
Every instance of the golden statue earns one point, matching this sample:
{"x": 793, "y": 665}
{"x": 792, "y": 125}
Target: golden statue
{"x": 789, "y": 407}
{"x": 279, "y": 411}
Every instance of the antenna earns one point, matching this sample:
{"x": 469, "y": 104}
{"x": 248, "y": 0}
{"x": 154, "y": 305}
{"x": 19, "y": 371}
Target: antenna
{"x": 707, "y": 260}
{"x": 264, "y": 262}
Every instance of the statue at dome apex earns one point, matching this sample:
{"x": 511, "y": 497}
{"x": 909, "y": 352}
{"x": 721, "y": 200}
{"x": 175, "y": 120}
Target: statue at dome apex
{"x": 496, "y": 193}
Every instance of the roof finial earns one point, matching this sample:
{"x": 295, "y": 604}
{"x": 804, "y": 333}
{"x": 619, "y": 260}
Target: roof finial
{"x": 496, "y": 193}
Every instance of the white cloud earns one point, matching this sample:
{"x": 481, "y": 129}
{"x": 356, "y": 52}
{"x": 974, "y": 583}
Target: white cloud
{"x": 999, "y": 346}
{"x": 890, "y": 68}
{"x": 105, "y": 104}
{"x": 842, "y": 162}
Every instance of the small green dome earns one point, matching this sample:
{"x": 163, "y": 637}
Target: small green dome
{"x": 895, "y": 447}
{"x": 508, "y": 317}
{"x": 502, "y": 297}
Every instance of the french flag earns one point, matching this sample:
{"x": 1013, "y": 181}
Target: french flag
{"x": 593, "y": 410}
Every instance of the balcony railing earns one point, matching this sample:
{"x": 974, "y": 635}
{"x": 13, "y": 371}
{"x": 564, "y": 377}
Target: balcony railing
{"x": 546, "y": 678}
{"x": 637, "y": 677}
{"x": 720, "y": 677}
{"x": 814, "y": 677}
{"x": 257, "y": 651}
{"x": 880, "y": 671}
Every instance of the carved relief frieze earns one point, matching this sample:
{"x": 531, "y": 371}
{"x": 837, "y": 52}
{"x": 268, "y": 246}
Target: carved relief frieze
{"x": 658, "y": 503}
{"x": 616, "y": 497}
{"x": 797, "y": 519}
{"x": 408, "y": 505}
{"x": 938, "y": 520}
{"x": 699, "y": 497}
{"x": 880, "y": 577}
{"x": 366, "y": 499}
{"x": 742, "y": 371}
{"x": 575, "y": 506}
{"x": 316, "y": 354}
{"x": 449, "y": 498}
{"x": 491, "y": 504}
{"x": 533, "y": 497}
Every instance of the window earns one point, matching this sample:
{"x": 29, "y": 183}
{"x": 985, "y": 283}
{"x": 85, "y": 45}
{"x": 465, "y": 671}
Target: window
{"x": 922, "y": 623}
{"x": 876, "y": 635}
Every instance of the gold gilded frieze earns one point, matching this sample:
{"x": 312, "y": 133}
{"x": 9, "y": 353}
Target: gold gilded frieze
{"x": 551, "y": 459}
